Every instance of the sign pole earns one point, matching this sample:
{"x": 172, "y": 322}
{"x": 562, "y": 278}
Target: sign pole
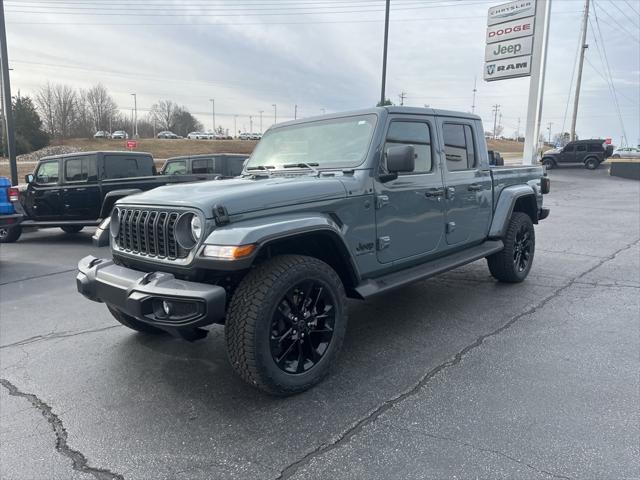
{"x": 536, "y": 85}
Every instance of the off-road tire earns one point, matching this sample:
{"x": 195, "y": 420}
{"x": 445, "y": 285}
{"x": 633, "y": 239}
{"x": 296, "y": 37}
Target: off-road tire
{"x": 548, "y": 163}
{"x": 502, "y": 264}
{"x": 71, "y": 229}
{"x": 249, "y": 317}
{"x": 10, "y": 234}
{"x": 591, "y": 163}
{"x": 134, "y": 324}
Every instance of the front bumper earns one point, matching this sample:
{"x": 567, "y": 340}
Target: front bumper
{"x": 141, "y": 295}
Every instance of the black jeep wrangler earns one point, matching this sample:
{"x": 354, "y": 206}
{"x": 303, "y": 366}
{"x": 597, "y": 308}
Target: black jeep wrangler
{"x": 590, "y": 153}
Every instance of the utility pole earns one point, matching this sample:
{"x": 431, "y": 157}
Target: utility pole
{"x": 496, "y": 109}
{"x": 402, "y": 97}
{"x": 295, "y": 111}
{"x": 261, "y": 112}
{"x": 275, "y": 113}
{"x": 213, "y": 113}
{"x": 384, "y": 52}
{"x": 549, "y": 129}
{"x": 135, "y": 107}
{"x": 6, "y": 100}
{"x": 250, "y": 124}
{"x": 235, "y": 126}
{"x": 518, "y": 131}
{"x": 583, "y": 49}
{"x": 500, "y": 122}
{"x": 473, "y": 103}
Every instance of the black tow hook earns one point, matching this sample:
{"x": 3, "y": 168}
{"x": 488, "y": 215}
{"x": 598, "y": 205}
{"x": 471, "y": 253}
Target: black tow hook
{"x": 95, "y": 262}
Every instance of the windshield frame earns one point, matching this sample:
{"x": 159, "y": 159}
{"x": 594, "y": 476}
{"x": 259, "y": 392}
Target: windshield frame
{"x": 346, "y": 165}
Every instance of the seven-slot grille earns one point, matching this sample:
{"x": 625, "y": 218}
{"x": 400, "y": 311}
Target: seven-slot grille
{"x": 149, "y": 232}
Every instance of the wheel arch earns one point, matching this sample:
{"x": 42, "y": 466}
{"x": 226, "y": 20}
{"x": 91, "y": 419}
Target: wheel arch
{"x": 517, "y": 198}
{"x": 113, "y": 196}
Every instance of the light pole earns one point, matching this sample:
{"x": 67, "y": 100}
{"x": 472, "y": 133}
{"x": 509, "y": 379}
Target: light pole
{"x": 235, "y": 127}
{"x": 275, "y": 113}
{"x": 384, "y": 54}
{"x": 135, "y": 108}
{"x": 6, "y": 93}
{"x": 295, "y": 111}
{"x": 261, "y": 112}
{"x": 250, "y": 124}
{"x": 213, "y": 113}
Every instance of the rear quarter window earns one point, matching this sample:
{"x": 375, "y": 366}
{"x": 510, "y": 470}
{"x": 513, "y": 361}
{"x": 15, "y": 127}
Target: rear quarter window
{"x": 125, "y": 166}
{"x": 596, "y": 147}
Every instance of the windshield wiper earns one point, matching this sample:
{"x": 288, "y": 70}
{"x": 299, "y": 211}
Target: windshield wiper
{"x": 303, "y": 165}
{"x": 261, "y": 167}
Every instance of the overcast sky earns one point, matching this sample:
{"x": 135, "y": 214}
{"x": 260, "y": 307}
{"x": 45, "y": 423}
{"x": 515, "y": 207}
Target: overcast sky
{"x": 320, "y": 54}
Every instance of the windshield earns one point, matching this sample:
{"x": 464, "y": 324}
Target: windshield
{"x": 333, "y": 143}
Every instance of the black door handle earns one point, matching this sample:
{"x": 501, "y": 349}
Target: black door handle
{"x": 474, "y": 187}
{"x": 434, "y": 192}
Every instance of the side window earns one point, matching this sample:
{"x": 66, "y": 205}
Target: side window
{"x": 412, "y": 133}
{"x": 595, "y": 147}
{"x": 47, "y": 172}
{"x": 123, "y": 166}
{"x": 202, "y": 165}
{"x": 581, "y": 148}
{"x": 459, "y": 147}
{"x": 73, "y": 171}
{"x": 569, "y": 148}
{"x": 178, "y": 167}
{"x": 235, "y": 165}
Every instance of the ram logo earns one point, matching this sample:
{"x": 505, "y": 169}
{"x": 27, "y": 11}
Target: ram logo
{"x": 491, "y": 68}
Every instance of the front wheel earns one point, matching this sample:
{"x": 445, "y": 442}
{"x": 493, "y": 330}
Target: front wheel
{"x": 71, "y": 229}
{"x": 548, "y": 163}
{"x": 286, "y": 323}
{"x": 513, "y": 263}
{"x": 10, "y": 234}
{"x": 592, "y": 163}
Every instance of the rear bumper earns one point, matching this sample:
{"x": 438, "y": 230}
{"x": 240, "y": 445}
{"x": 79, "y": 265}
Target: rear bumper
{"x": 11, "y": 220}
{"x": 141, "y": 295}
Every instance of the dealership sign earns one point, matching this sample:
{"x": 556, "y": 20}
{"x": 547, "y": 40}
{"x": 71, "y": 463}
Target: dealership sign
{"x": 510, "y": 35}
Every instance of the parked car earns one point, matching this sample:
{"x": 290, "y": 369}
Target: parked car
{"x": 224, "y": 165}
{"x": 9, "y": 218}
{"x": 590, "y": 153}
{"x": 319, "y": 215}
{"x": 255, "y": 136}
{"x": 77, "y": 190}
{"x": 167, "y": 134}
{"x": 199, "y": 136}
{"x": 245, "y": 136}
{"x": 626, "y": 152}
{"x": 102, "y": 134}
{"x": 120, "y": 134}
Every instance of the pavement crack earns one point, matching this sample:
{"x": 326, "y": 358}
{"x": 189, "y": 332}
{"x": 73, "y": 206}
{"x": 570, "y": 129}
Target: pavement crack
{"x": 495, "y": 452}
{"x": 38, "y": 276}
{"x": 355, "y": 428}
{"x": 54, "y": 335}
{"x": 79, "y": 461}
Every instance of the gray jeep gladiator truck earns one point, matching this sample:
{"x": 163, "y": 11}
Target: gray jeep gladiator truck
{"x": 348, "y": 205}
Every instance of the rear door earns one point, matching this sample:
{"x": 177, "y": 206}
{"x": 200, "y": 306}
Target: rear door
{"x": 81, "y": 191}
{"x": 43, "y": 194}
{"x": 581, "y": 152}
{"x": 409, "y": 209}
{"x": 467, "y": 183}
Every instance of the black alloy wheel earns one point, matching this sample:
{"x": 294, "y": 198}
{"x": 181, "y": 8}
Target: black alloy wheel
{"x": 302, "y": 327}
{"x": 522, "y": 248}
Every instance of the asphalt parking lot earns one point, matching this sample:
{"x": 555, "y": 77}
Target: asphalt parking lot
{"x": 454, "y": 377}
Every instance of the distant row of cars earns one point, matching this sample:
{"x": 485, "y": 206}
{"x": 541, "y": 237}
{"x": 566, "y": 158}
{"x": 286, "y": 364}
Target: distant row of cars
{"x": 122, "y": 135}
{"x": 208, "y": 136}
{"x": 118, "y": 134}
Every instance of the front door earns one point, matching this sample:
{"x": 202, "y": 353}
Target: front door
{"x": 581, "y": 153}
{"x": 409, "y": 209}
{"x": 43, "y": 194}
{"x": 568, "y": 154}
{"x": 81, "y": 191}
{"x": 467, "y": 184}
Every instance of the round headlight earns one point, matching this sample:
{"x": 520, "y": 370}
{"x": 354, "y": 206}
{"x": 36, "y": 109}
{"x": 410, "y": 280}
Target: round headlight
{"x": 196, "y": 227}
{"x": 114, "y": 224}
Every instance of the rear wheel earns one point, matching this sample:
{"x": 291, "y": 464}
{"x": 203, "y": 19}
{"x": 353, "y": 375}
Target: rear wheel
{"x": 71, "y": 229}
{"x": 592, "y": 163}
{"x": 10, "y": 234}
{"x": 548, "y": 163}
{"x": 134, "y": 324}
{"x": 286, "y": 323}
{"x": 615, "y": 156}
{"x": 513, "y": 263}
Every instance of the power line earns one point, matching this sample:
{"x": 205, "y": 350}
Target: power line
{"x": 614, "y": 20}
{"x": 623, "y": 12}
{"x": 631, "y": 7}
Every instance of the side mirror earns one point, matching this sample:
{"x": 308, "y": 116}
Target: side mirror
{"x": 28, "y": 177}
{"x": 401, "y": 159}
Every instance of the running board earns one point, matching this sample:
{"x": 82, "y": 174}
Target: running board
{"x": 375, "y": 286}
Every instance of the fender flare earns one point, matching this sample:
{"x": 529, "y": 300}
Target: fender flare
{"x": 264, "y": 231}
{"x": 504, "y": 207}
{"x": 111, "y": 198}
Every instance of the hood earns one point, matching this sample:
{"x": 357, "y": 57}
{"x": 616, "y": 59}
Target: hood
{"x": 553, "y": 150}
{"x": 243, "y": 194}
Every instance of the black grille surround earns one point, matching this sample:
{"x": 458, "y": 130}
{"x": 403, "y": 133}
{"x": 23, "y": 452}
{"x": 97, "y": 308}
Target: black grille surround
{"x": 150, "y": 233}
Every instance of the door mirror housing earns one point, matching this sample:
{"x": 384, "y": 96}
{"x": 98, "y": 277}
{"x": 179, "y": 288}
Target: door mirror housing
{"x": 401, "y": 158}
{"x": 28, "y": 178}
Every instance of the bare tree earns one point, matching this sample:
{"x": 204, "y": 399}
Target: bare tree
{"x": 165, "y": 114}
{"x": 45, "y": 100}
{"x": 101, "y": 105}
{"x": 65, "y": 109}
{"x": 84, "y": 124}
